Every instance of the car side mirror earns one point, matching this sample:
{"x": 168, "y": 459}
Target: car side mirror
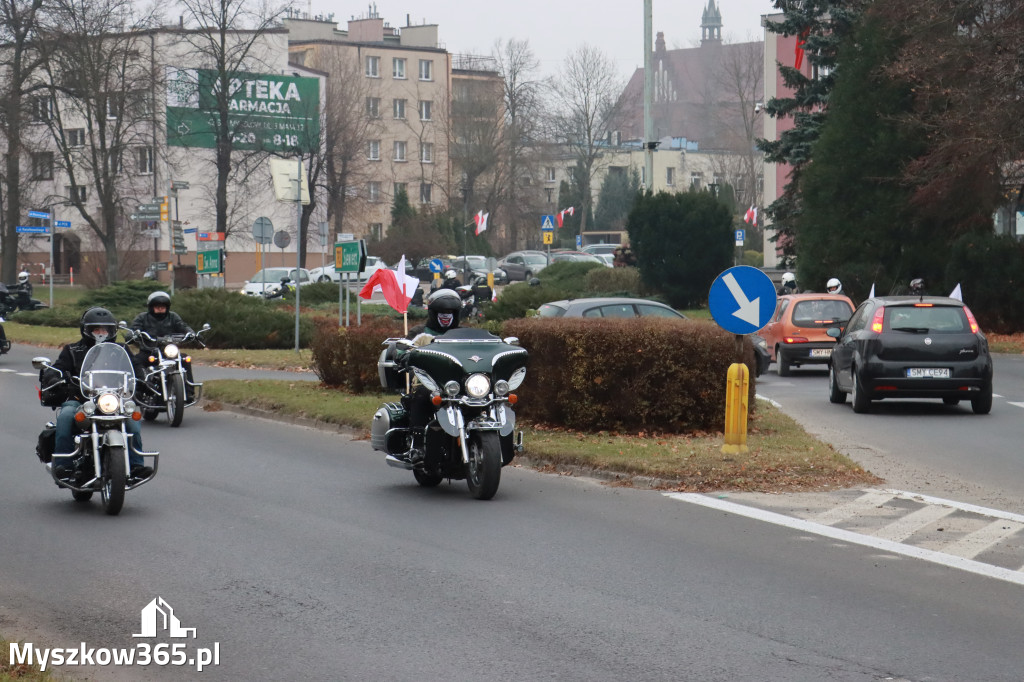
{"x": 834, "y": 332}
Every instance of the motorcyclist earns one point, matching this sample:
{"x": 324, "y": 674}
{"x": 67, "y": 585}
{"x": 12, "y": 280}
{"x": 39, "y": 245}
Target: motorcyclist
{"x": 443, "y": 307}
{"x": 834, "y": 286}
{"x": 159, "y": 321}
{"x": 96, "y": 326}
{"x": 451, "y": 279}
{"x": 788, "y": 284}
{"x": 24, "y": 285}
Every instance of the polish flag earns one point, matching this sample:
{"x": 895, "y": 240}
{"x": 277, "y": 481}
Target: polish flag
{"x": 561, "y": 214}
{"x": 801, "y": 40}
{"x": 396, "y": 286}
{"x": 481, "y": 221}
{"x": 751, "y": 216}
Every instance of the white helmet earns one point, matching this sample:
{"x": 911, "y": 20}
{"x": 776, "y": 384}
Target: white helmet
{"x": 22, "y": 277}
{"x": 788, "y": 278}
{"x": 834, "y": 286}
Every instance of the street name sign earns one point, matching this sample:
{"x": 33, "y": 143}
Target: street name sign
{"x": 32, "y": 229}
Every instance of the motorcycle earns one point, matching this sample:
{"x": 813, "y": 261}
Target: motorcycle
{"x": 286, "y": 287}
{"x": 5, "y": 343}
{"x": 469, "y": 375}
{"x": 14, "y": 297}
{"x": 165, "y": 385}
{"x": 99, "y": 461}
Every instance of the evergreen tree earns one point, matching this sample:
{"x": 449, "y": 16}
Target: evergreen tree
{"x": 615, "y": 200}
{"x": 681, "y": 243}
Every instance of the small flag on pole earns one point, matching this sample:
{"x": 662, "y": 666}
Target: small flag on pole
{"x": 396, "y": 286}
{"x": 956, "y": 293}
{"x": 751, "y": 216}
{"x": 561, "y": 214}
{"x": 481, "y": 221}
{"x": 872, "y": 294}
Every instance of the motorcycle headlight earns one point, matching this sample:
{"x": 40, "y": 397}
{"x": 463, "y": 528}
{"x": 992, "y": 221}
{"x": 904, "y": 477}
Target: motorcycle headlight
{"x": 170, "y": 351}
{"x": 501, "y": 387}
{"x": 478, "y": 385}
{"x": 425, "y": 379}
{"x": 130, "y": 406}
{"x": 516, "y": 379}
{"x": 89, "y": 407}
{"x": 107, "y": 403}
{"x": 452, "y": 388}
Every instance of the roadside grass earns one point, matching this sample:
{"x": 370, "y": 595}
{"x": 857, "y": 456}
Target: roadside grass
{"x": 782, "y": 456}
{"x": 19, "y": 672}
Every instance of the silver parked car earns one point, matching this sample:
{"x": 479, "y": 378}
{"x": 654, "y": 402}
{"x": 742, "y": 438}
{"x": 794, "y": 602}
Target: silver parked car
{"x": 608, "y": 307}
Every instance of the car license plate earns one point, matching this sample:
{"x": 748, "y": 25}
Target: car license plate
{"x": 928, "y": 373}
{"x": 821, "y": 352}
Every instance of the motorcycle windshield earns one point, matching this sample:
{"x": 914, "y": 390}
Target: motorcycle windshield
{"x": 107, "y": 369}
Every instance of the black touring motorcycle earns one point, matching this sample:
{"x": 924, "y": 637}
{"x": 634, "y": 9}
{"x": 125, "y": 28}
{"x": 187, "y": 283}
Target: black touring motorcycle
{"x": 165, "y": 386}
{"x": 468, "y": 376}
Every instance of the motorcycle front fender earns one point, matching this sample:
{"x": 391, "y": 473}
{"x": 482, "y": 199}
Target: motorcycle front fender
{"x": 507, "y": 418}
{"x": 451, "y": 421}
{"x": 114, "y": 439}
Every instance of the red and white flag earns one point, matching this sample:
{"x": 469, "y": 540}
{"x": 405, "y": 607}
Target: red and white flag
{"x": 561, "y": 214}
{"x": 396, "y": 286}
{"x": 751, "y": 216}
{"x": 481, "y": 221}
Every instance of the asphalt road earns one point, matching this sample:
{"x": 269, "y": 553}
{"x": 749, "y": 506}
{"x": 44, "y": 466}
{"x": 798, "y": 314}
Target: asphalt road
{"x": 303, "y": 556}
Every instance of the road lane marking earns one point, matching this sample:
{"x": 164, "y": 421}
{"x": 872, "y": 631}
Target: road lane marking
{"x": 1015, "y": 404}
{"x": 932, "y": 556}
{"x": 27, "y": 374}
{"x": 869, "y": 500}
{"x": 902, "y": 528}
{"x": 973, "y": 544}
{"x": 8, "y": 370}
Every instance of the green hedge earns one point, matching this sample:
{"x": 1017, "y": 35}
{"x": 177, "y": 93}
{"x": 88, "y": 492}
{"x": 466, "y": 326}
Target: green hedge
{"x": 627, "y": 375}
{"x": 346, "y": 357}
{"x": 239, "y": 321}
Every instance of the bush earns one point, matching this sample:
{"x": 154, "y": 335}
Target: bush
{"x": 627, "y": 375}
{"x": 516, "y": 299}
{"x": 990, "y": 271}
{"x": 613, "y": 282}
{"x": 124, "y": 299}
{"x": 239, "y": 321}
{"x": 347, "y": 357}
{"x": 568, "y": 276}
{"x": 64, "y": 316}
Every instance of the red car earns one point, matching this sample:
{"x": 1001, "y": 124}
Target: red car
{"x": 797, "y": 335}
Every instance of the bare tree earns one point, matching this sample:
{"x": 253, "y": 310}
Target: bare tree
{"x": 228, "y": 37}
{"x": 740, "y": 76}
{"x": 19, "y": 61}
{"x": 585, "y": 98}
{"x": 98, "y": 75}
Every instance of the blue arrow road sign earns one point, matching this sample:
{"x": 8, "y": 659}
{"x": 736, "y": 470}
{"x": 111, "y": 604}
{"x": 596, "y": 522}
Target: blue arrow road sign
{"x": 547, "y": 222}
{"x": 742, "y": 299}
{"x": 436, "y": 264}
{"x": 38, "y": 214}
{"x": 32, "y": 229}
{"x": 62, "y": 223}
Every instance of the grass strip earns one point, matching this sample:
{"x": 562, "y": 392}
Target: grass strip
{"x": 781, "y": 457}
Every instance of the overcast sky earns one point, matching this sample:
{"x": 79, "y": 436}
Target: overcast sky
{"x": 554, "y": 27}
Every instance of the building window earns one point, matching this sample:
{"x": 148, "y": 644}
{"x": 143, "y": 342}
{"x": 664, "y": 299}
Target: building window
{"x": 427, "y": 152}
{"x": 75, "y": 137}
{"x": 373, "y": 67}
{"x": 426, "y": 70}
{"x": 373, "y": 153}
{"x": 376, "y": 231}
{"x": 114, "y": 162}
{"x": 670, "y": 177}
{"x": 643, "y": 177}
{"x": 696, "y": 179}
{"x": 398, "y": 68}
{"x": 76, "y": 193}
{"x": 399, "y": 108}
{"x": 425, "y": 107}
{"x": 115, "y": 104}
{"x": 402, "y": 187}
{"x": 425, "y": 188}
{"x": 551, "y": 194}
{"x": 42, "y": 108}
{"x": 550, "y": 173}
{"x": 399, "y": 151}
{"x": 373, "y": 191}
{"x": 144, "y": 156}
{"x": 42, "y": 166}
{"x": 373, "y": 107}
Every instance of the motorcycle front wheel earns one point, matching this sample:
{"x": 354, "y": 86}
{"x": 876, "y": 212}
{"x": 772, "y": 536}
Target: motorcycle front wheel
{"x": 483, "y": 473}
{"x": 175, "y": 399}
{"x": 114, "y": 479}
{"x": 428, "y": 479}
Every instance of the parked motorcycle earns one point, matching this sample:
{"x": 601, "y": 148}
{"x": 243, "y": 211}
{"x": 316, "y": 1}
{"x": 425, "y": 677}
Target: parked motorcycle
{"x": 165, "y": 385}
{"x": 99, "y": 461}
{"x": 465, "y": 380}
{"x": 13, "y": 297}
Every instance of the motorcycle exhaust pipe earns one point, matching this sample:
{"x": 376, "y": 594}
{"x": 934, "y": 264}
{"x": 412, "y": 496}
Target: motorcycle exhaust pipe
{"x": 397, "y": 463}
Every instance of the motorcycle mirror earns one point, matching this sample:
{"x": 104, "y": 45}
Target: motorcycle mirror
{"x": 40, "y": 362}
{"x": 122, "y": 325}
{"x": 511, "y": 340}
{"x": 206, "y": 326}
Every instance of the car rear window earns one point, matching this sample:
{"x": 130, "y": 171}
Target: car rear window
{"x": 931, "y": 319}
{"x": 548, "y": 310}
{"x": 821, "y": 313}
{"x": 648, "y": 310}
{"x": 614, "y": 310}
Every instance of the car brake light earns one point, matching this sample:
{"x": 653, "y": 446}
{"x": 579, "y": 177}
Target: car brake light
{"x": 876, "y": 321}
{"x": 971, "y": 320}
{"x": 923, "y": 305}
{"x": 794, "y": 339}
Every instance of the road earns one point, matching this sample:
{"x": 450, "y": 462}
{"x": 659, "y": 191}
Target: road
{"x": 302, "y": 556}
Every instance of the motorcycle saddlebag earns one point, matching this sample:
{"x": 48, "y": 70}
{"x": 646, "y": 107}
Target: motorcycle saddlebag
{"x": 46, "y": 443}
{"x": 390, "y": 416}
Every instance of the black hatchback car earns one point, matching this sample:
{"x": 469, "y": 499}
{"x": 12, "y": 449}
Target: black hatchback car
{"x": 911, "y": 347}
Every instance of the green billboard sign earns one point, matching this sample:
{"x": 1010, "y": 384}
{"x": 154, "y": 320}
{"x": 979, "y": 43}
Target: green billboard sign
{"x": 265, "y": 111}
{"x": 208, "y": 262}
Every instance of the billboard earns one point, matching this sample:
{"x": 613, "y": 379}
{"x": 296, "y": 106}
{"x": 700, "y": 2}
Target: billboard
{"x": 271, "y": 112}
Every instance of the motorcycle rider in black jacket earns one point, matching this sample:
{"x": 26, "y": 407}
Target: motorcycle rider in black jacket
{"x": 96, "y": 326}
{"x": 158, "y": 321}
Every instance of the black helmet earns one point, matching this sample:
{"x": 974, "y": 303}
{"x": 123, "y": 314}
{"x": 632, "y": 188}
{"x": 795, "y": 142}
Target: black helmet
{"x": 158, "y": 298}
{"x": 443, "y": 308}
{"x": 95, "y": 320}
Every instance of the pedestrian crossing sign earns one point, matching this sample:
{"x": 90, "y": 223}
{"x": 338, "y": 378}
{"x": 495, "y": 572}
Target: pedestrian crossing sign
{"x": 547, "y": 223}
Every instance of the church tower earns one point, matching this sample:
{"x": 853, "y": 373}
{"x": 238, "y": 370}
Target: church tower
{"x": 711, "y": 25}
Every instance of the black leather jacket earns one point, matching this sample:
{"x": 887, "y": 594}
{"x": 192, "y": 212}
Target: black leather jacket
{"x": 171, "y": 323}
{"x": 70, "y": 363}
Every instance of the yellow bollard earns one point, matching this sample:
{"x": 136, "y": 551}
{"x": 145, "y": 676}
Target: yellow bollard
{"x": 737, "y": 388}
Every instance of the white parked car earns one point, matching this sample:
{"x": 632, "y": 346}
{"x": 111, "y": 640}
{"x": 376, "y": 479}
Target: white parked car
{"x": 327, "y": 273}
{"x": 269, "y": 280}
